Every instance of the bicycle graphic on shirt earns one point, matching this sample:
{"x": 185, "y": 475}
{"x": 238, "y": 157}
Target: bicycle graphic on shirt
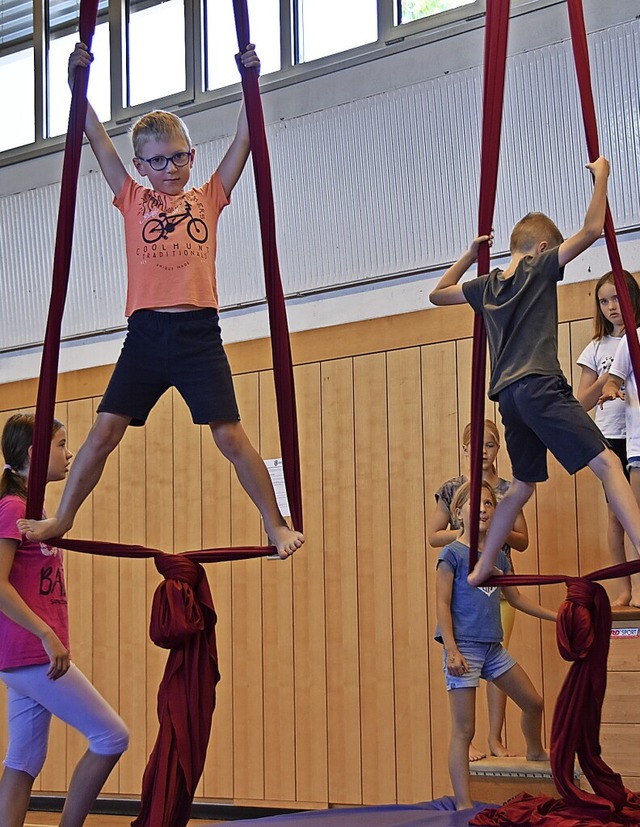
{"x": 157, "y": 229}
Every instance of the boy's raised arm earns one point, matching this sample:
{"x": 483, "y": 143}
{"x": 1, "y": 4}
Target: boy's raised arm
{"x": 231, "y": 166}
{"x": 447, "y": 290}
{"x": 110, "y": 162}
{"x": 593, "y": 225}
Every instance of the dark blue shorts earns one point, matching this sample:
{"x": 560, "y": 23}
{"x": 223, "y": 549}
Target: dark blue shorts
{"x": 540, "y": 413}
{"x": 164, "y": 350}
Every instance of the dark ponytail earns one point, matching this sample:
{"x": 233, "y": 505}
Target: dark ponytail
{"x": 17, "y": 436}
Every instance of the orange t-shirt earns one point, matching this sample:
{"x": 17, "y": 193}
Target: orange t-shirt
{"x": 171, "y": 244}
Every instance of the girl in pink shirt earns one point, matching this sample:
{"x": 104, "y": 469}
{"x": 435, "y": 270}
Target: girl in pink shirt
{"x": 35, "y": 662}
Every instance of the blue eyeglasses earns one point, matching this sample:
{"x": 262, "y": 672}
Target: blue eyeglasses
{"x": 159, "y": 162}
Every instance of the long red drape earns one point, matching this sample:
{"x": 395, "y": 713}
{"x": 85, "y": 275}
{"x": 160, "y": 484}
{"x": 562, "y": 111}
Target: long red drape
{"x": 182, "y": 616}
{"x": 584, "y": 620}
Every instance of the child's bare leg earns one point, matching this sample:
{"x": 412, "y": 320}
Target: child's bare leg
{"x": 635, "y": 578}
{"x": 502, "y": 523}
{"x": 615, "y": 537}
{"x": 497, "y": 706}
{"x": 516, "y": 684}
{"x": 462, "y": 703}
{"x": 607, "y": 467}
{"x": 88, "y": 779}
{"x": 86, "y": 470}
{"x": 496, "y": 699}
{"x": 15, "y": 794}
{"x": 232, "y": 440}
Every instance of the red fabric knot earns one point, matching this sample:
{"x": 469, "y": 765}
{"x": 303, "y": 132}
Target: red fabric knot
{"x": 176, "y": 613}
{"x": 575, "y": 627}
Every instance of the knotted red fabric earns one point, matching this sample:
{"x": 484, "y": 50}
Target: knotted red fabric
{"x": 182, "y": 617}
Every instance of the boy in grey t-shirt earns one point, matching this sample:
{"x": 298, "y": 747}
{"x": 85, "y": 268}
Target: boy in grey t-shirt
{"x": 519, "y": 308}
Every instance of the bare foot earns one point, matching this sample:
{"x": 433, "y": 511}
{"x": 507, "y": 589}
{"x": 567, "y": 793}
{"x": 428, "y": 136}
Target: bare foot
{"x": 286, "y": 540}
{"x": 39, "y": 530}
{"x": 483, "y": 570}
{"x": 541, "y": 755}
{"x": 475, "y": 754}
{"x": 499, "y": 750}
{"x": 464, "y": 805}
{"x": 635, "y": 602}
{"x": 621, "y": 600}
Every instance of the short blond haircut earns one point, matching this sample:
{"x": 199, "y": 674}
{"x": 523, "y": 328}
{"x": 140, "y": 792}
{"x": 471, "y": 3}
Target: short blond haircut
{"x": 463, "y": 495}
{"x": 158, "y": 125}
{"x": 531, "y": 230}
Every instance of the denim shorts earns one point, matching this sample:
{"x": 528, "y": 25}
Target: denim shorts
{"x": 485, "y": 660}
{"x": 540, "y": 413}
{"x": 163, "y": 350}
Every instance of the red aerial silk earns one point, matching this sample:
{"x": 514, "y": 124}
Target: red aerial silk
{"x": 495, "y": 51}
{"x": 182, "y": 616}
{"x": 584, "y": 619}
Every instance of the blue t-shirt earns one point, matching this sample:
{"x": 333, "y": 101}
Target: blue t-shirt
{"x": 475, "y": 612}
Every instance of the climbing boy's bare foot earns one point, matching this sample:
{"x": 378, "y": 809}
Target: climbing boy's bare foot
{"x": 475, "y": 754}
{"x": 39, "y": 530}
{"x": 286, "y": 540}
{"x": 483, "y": 570}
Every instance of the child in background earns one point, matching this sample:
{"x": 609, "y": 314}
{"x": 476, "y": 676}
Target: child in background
{"x": 173, "y": 337}
{"x": 519, "y": 306}
{"x": 444, "y": 528}
{"x": 469, "y": 628}
{"x": 35, "y": 663}
{"x": 621, "y": 375}
{"x": 595, "y": 361}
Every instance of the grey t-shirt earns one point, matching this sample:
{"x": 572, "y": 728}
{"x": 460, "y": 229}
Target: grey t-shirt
{"x": 475, "y": 612}
{"x": 521, "y": 319}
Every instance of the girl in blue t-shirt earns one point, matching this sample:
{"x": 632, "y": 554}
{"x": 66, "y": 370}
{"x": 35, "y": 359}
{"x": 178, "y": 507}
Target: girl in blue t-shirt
{"x": 470, "y": 629}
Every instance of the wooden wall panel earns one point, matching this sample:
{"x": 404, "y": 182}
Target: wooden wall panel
{"x": 409, "y": 575}
{"x": 216, "y": 533}
{"x": 278, "y": 660}
{"x": 309, "y": 618}
{"x": 441, "y": 462}
{"x": 341, "y": 584}
{"x": 374, "y": 579}
{"x": 332, "y": 689}
{"x": 248, "y": 694}
{"x": 137, "y": 682}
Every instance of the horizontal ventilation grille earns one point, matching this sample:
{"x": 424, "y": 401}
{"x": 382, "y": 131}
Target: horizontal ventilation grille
{"x": 375, "y": 188}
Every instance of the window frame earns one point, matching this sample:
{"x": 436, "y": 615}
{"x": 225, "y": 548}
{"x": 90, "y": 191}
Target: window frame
{"x": 392, "y": 38}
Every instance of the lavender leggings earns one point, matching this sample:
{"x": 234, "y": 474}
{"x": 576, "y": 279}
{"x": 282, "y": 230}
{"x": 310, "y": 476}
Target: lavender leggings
{"x": 33, "y": 698}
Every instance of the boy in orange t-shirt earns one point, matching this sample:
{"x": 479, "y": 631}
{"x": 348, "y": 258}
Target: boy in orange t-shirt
{"x": 173, "y": 336}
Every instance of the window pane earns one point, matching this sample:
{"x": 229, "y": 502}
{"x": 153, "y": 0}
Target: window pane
{"x": 99, "y": 82}
{"x": 156, "y": 52}
{"x": 222, "y": 43}
{"x": 326, "y": 27}
{"x": 414, "y": 9}
{"x": 17, "y": 97}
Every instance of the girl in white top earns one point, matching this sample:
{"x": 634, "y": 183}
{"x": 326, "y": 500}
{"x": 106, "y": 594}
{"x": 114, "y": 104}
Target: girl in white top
{"x": 595, "y": 361}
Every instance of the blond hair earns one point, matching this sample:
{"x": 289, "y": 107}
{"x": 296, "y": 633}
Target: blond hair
{"x": 489, "y": 425}
{"x": 463, "y": 495}
{"x": 531, "y": 230}
{"x": 158, "y": 125}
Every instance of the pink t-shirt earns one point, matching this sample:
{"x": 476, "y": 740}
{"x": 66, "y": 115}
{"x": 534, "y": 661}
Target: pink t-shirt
{"x": 171, "y": 244}
{"x": 37, "y": 575}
